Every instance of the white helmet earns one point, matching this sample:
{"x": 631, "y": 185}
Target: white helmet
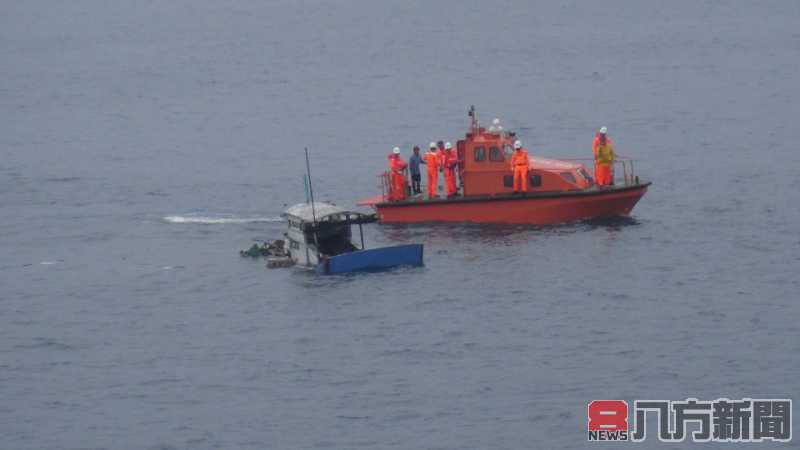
{"x": 433, "y": 145}
{"x": 448, "y": 146}
{"x": 396, "y": 150}
{"x": 603, "y": 130}
{"x": 517, "y": 144}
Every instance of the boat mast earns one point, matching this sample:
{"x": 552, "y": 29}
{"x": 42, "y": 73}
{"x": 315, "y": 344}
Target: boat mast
{"x": 310, "y": 188}
{"x": 313, "y": 210}
{"x": 474, "y": 120}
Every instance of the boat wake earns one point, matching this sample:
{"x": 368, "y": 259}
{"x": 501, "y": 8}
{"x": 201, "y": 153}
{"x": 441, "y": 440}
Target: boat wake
{"x": 218, "y": 219}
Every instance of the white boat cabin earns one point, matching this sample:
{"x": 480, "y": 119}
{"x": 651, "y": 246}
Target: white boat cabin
{"x": 321, "y": 231}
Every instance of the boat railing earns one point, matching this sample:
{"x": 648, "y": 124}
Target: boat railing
{"x": 384, "y": 184}
{"x": 629, "y": 177}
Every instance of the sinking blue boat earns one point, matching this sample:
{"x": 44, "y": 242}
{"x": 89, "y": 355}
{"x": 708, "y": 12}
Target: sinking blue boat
{"x": 372, "y": 259}
{"x": 320, "y": 238}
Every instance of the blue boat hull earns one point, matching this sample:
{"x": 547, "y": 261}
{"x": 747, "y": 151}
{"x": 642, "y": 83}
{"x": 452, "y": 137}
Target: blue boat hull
{"x": 372, "y": 259}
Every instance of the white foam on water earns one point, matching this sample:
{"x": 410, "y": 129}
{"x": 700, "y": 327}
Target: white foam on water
{"x": 218, "y": 219}
{"x": 47, "y": 263}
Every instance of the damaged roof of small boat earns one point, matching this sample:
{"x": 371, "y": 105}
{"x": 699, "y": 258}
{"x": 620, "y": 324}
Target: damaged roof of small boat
{"x": 307, "y": 214}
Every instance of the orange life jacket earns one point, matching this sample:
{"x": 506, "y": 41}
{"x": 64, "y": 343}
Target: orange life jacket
{"x": 396, "y": 164}
{"x": 519, "y": 158}
{"x": 450, "y": 160}
{"x": 605, "y": 154}
{"x": 432, "y": 161}
{"x": 442, "y": 157}
{"x": 596, "y": 143}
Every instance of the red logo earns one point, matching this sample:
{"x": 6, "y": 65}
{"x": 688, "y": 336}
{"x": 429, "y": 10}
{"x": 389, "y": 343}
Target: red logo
{"x": 608, "y": 420}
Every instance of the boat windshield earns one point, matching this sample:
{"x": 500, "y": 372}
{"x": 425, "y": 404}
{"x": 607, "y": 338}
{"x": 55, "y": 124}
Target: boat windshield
{"x": 336, "y": 245}
{"x": 332, "y": 239}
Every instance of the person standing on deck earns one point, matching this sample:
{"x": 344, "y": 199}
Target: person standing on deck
{"x": 519, "y": 167}
{"x": 440, "y": 153}
{"x": 431, "y": 160}
{"x": 413, "y": 168}
{"x": 450, "y": 163}
{"x": 397, "y": 178}
{"x": 442, "y": 158}
{"x": 604, "y": 157}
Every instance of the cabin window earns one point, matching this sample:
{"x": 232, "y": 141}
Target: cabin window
{"x": 568, "y": 176}
{"x": 495, "y": 155}
{"x": 294, "y": 245}
{"x": 336, "y": 244}
{"x": 508, "y": 150}
{"x": 479, "y": 153}
{"x": 508, "y": 181}
{"x": 535, "y": 180}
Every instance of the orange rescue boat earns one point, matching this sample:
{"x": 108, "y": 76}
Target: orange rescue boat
{"x": 559, "y": 191}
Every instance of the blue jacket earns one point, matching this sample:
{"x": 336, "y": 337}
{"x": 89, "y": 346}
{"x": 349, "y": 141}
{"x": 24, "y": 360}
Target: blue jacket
{"x": 413, "y": 164}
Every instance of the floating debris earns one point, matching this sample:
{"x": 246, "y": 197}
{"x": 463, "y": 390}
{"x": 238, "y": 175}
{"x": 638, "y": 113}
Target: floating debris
{"x": 275, "y": 248}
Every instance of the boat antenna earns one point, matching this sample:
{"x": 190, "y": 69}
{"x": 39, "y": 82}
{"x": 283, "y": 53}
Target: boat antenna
{"x": 310, "y": 188}
{"x": 474, "y": 119}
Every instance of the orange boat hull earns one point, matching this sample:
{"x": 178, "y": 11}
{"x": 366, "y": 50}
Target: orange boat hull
{"x": 545, "y": 208}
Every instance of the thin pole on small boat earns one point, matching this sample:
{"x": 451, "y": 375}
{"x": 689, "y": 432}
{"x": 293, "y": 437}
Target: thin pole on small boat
{"x": 361, "y": 232}
{"x": 310, "y": 188}
{"x": 313, "y": 210}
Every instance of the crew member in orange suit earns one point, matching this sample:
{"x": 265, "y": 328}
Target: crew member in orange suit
{"x": 397, "y": 188}
{"x": 442, "y": 158}
{"x": 603, "y": 151}
{"x": 450, "y": 163}
{"x": 433, "y": 162}
{"x": 440, "y": 152}
{"x": 519, "y": 166}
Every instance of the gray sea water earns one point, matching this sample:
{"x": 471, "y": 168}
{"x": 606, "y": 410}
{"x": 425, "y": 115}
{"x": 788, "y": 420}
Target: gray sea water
{"x": 142, "y": 144}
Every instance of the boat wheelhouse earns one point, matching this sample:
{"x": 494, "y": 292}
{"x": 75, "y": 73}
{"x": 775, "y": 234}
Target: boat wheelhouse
{"x": 319, "y": 237}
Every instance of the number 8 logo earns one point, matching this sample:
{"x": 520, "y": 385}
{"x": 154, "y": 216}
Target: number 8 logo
{"x": 608, "y": 415}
